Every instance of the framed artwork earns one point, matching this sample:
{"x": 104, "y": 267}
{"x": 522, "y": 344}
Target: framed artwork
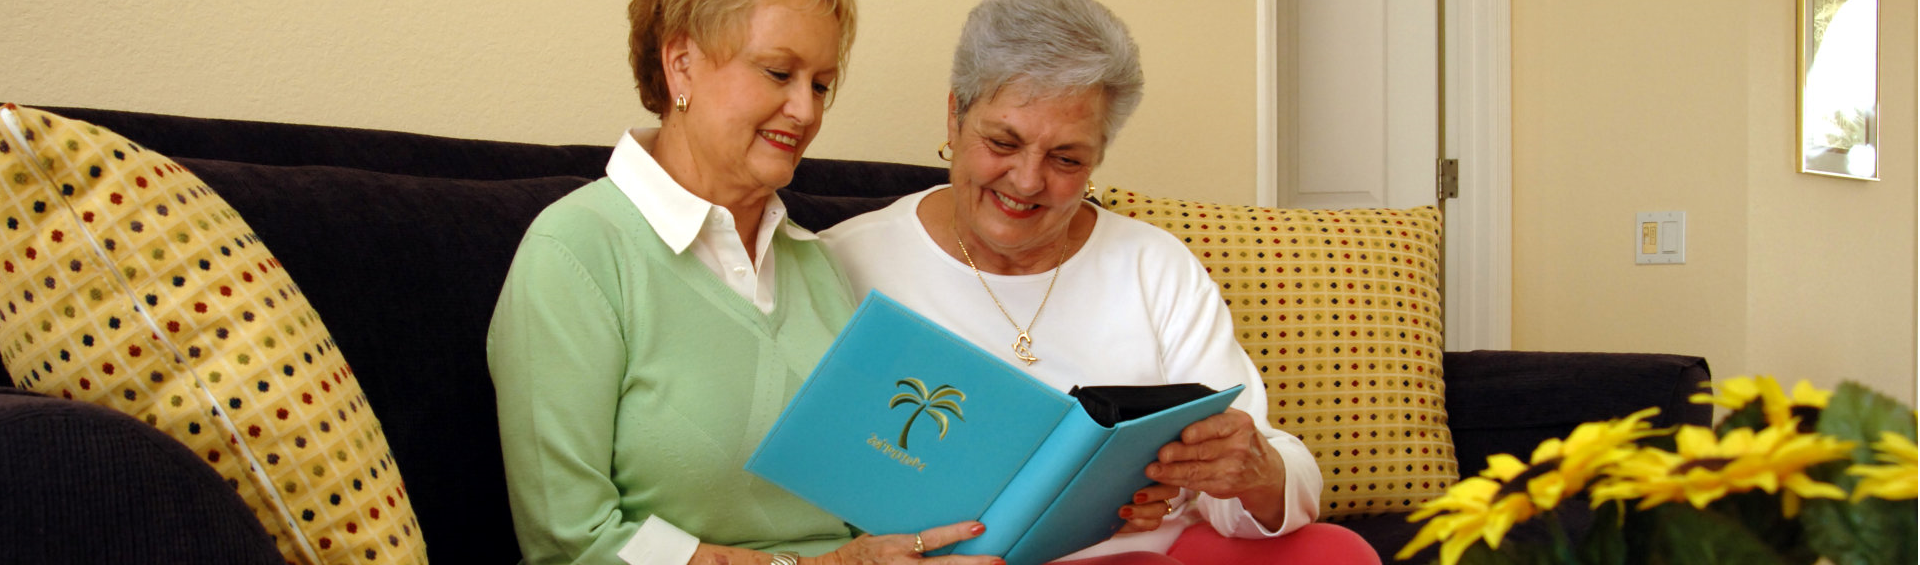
{"x": 1839, "y": 127}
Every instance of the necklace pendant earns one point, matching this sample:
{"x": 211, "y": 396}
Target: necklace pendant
{"x": 1023, "y": 349}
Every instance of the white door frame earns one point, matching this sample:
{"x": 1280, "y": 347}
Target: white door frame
{"x": 1479, "y": 269}
{"x": 1479, "y": 249}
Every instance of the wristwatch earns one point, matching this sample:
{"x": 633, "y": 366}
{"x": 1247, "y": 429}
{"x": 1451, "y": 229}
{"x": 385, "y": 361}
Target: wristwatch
{"x": 786, "y": 558}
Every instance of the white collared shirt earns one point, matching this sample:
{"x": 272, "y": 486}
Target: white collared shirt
{"x": 685, "y": 221}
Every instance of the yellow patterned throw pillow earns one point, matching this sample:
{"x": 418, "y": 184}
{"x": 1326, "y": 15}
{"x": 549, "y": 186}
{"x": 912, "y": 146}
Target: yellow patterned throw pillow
{"x": 1340, "y": 310}
{"x": 128, "y": 283}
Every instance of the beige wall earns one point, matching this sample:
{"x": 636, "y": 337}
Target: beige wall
{"x": 1789, "y": 274}
{"x": 551, "y": 71}
{"x": 555, "y": 71}
{"x": 1615, "y": 112}
{"x": 1193, "y": 136}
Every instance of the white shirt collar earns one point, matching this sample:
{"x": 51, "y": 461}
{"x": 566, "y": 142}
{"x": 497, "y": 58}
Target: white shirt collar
{"x": 676, "y": 214}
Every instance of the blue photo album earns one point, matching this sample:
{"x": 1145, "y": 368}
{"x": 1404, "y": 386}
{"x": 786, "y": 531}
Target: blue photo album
{"x": 904, "y": 426}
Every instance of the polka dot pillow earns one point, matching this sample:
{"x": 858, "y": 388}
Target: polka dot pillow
{"x": 1340, "y": 310}
{"x": 128, "y": 283}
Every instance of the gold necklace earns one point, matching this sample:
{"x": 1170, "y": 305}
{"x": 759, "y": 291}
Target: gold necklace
{"x": 1023, "y": 345}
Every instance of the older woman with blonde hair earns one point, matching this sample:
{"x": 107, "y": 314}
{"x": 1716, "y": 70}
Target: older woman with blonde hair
{"x": 1010, "y": 256}
{"x": 655, "y": 321}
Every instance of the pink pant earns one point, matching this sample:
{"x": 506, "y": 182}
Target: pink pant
{"x": 1317, "y": 543}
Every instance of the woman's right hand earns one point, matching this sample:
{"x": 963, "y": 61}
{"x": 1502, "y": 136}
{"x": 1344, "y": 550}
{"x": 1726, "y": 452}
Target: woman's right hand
{"x": 899, "y": 548}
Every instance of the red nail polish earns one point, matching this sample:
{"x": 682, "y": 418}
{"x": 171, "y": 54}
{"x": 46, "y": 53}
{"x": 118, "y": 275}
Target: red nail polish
{"x": 1139, "y": 498}
{"x": 978, "y": 529}
{"x": 1126, "y": 512}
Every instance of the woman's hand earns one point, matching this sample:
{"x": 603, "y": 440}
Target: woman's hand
{"x": 1150, "y": 506}
{"x": 1226, "y": 457}
{"x": 900, "y": 548}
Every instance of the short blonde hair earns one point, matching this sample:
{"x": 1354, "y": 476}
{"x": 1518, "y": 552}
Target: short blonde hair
{"x": 715, "y": 25}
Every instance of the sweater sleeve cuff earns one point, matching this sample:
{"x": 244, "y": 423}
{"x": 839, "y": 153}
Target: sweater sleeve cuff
{"x": 659, "y": 542}
{"x": 1230, "y": 516}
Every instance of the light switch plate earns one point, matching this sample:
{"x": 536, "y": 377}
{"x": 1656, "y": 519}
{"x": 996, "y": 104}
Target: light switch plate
{"x": 1660, "y": 238}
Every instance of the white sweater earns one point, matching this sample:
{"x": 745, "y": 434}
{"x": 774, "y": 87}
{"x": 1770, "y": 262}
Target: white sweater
{"x": 1132, "y": 307}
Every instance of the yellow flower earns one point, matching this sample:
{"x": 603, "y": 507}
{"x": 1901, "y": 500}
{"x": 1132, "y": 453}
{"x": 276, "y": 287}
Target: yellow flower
{"x": 1646, "y": 475}
{"x": 1708, "y": 468}
{"x": 1731, "y": 393}
{"x": 1575, "y": 461}
{"x": 1475, "y": 509}
{"x": 1510, "y": 491}
{"x": 1779, "y": 407}
{"x": 1897, "y": 479}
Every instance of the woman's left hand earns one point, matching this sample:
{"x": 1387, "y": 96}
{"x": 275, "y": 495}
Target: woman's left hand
{"x": 1150, "y": 506}
{"x": 1226, "y": 456}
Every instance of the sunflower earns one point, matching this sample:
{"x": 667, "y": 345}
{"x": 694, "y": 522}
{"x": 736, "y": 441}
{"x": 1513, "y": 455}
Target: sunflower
{"x": 1561, "y": 468}
{"x": 1779, "y": 407}
{"x": 1706, "y": 468}
{"x": 1510, "y": 491}
{"x": 1478, "y": 508}
{"x": 1896, "y": 480}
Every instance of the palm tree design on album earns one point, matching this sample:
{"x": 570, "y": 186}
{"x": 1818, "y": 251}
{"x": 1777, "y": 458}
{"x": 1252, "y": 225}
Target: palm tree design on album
{"x": 937, "y": 403}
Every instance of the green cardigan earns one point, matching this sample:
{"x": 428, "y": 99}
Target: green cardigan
{"x": 632, "y": 382}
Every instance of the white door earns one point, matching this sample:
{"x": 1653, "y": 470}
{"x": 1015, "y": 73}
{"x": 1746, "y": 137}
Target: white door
{"x": 1353, "y": 115}
{"x": 1361, "y": 103}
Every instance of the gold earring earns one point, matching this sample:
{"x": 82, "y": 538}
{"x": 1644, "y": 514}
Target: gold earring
{"x": 1090, "y": 190}
{"x": 680, "y": 104}
{"x": 942, "y": 151}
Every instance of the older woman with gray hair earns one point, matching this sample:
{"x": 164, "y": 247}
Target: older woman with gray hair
{"x": 1012, "y": 257}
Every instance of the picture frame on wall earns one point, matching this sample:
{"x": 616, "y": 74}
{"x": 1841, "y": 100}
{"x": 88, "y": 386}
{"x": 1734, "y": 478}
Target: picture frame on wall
{"x": 1839, "y": 122}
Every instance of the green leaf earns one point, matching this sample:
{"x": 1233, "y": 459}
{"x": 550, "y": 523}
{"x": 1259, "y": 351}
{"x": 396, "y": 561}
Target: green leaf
{"x": 1872, "y": 530}
{"x": 1508, "y": 554}
{"x": 1858, "y": 414}
{"x": 1761, "y": 514}
{"x": 1639, "y": 532}
{"x": 903, "y": 398}
{"x": 1749, "y": 416}
{"x": 1561, "y": 549}
{"x": 1664, "y": 441}
{"x": 1686, "y": 536}
{"x": 1606, "y": 542}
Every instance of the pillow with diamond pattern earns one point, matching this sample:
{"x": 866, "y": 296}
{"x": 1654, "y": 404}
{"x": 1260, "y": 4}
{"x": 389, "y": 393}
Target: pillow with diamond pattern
{"x": 1340, "y": 310}
{"x": 130, "y": 284}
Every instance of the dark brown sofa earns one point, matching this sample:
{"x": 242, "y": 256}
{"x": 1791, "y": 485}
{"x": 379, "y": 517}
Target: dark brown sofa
{"x": 401, "y": 242}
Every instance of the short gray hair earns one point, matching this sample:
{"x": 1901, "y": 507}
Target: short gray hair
{"x": 1053, "y": 47}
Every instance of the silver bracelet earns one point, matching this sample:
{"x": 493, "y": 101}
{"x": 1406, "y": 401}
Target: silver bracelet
{"x": 786, "y": 558}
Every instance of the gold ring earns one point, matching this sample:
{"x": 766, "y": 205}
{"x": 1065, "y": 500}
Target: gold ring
{"x": 1169, "y": 508}
{"x": 918, "y": 546}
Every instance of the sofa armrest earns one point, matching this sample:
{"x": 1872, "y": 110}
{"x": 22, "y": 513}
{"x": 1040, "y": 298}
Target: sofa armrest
{"x": 80, "y": 483}
{"x": 1510, "y": 401}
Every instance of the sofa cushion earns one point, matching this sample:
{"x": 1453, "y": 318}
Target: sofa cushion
{"x": 1340, "y": 311}
{"x": 129, "y": 283}
{"x": 1510, "y": 401}
{"x": 81, "y": 483}
{"x": 406, "y": 271}
{"x": 811, "y": 210}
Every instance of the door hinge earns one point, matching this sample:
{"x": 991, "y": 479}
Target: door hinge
{"x": 1447, "y": 174}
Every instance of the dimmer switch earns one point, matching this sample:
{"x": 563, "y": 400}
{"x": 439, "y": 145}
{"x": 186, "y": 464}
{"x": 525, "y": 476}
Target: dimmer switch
{"x": 1661, "y": 238}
